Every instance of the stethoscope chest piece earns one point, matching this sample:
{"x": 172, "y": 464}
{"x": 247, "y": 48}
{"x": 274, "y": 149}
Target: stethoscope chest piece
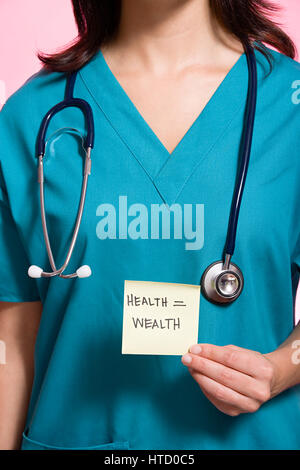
{"x": 222, "y": 285}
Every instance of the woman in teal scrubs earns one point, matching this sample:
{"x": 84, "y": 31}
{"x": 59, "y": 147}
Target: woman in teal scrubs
{"x": 167, "y": 83}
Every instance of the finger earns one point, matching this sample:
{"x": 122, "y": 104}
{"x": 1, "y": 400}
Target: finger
{"x": 223, "y": 407}
{"x": 231, "y": 378}
{"x": 225, "y": 395}
{"x": 238, "y": 348}
{"x": 244, "y": 361}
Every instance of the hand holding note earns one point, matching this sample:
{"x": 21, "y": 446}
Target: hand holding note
{"x": 234, "y": 379}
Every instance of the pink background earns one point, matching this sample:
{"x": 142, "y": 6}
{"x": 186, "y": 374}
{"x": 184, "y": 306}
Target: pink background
{"x": 27, "y": 26}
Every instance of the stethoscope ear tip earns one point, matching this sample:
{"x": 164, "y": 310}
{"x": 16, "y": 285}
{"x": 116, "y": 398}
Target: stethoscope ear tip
{"x": 35, "y": 271}
{"x": 84, "y": 271}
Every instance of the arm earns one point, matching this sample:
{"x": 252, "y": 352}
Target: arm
{"x": 238, "y": 380}
{"x": 19, "y": 323}
{"x": 286, "y": 363}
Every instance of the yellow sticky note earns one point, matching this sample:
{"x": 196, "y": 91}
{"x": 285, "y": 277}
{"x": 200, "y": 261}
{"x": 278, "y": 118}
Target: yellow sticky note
{"x": 159, "y": 317}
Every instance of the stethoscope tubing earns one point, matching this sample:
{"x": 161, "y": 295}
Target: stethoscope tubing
{"x": 247, "y": 138}
{"x": 84, "y": 106}
{"x": 224, "y": 266}
{"x": 55, "y": 271}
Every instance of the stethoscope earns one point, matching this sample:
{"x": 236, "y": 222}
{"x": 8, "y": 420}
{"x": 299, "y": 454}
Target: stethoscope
{"x": 222, "y": 281}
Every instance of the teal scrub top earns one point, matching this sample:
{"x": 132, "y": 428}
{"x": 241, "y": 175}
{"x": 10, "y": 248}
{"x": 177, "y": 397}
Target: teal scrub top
{"x": 86, "y": 394}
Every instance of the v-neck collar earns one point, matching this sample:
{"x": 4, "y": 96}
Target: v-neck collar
{"x": 168, "y": 171}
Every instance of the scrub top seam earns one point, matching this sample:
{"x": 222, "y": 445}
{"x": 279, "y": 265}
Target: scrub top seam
{"x": 204, "y": 155}
{"x": 161, "y": 176}
{"x": 22, "y": 241}
{"x": 13, "y": 297}
{"x": 212, "y": 145}
{"x": 295, "y": 254}
{"x": 33, "y": 406}
{"x": 116, "y": 131}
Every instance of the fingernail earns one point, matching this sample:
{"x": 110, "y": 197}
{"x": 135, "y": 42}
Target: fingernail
{"x": 186, "y": 359}
{"x": 195, "y": 349}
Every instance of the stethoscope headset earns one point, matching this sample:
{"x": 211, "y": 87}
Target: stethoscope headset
{"x": 222, "y": 281}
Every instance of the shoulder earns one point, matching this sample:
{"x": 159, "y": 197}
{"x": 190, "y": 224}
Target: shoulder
{"x": 286, "y": 76}
{"x": 279, "y": 88}
{"x": 20, "y": 117}
{"x": 279, "y": 76}
{"x": 39, "y": 90}
{"x": 278, "y": 105}
{"x": 283, "y": 64}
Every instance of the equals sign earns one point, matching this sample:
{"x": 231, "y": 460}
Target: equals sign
{"x": 179, "y": 303}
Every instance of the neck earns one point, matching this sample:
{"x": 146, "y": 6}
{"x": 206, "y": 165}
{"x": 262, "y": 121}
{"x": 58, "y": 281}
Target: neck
{"x": 171, "y": 35}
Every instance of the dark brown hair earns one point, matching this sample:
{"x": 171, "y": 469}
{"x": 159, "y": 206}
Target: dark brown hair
{"x": 98, "y": 20}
